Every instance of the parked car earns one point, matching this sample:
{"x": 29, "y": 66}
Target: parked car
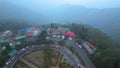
{"x": 79, "y": 66}
{"x": 78, "y": 45}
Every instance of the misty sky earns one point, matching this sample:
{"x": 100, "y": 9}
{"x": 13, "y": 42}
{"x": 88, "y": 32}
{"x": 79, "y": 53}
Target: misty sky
{"x": 53, "y": 3}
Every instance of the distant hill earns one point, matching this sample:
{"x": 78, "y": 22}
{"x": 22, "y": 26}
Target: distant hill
{"x": 12, "y": 12}
{"x": 13, "y": 25}
{"x": 105, "y": 19}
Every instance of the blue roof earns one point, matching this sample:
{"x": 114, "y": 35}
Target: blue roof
{"x": 26, "y": 30}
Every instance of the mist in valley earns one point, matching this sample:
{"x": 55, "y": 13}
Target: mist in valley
{"x": 104, "y": 15}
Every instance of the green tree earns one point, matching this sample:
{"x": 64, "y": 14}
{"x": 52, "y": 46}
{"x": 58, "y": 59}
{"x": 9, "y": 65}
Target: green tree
{"x": 97, "y": 55}
{"x": 47, "y": 57}
{"x": 49, "y": 42}
{"x": 52, "y": 25}
{"x": 107, "y": 54}
{"x": 13, "y": 25}
{"x": 62, "y": 42}
{"x": 42, "y": 35}
{"x": 3, "y": 60}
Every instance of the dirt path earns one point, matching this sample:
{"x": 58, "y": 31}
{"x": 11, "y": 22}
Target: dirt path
{"x": 28, "y": 63}
{"x": 59, "y": 59}
{"x": 19, "y": 66}
{"x": 54, "y": 67}
{"x": 58, "y": 62}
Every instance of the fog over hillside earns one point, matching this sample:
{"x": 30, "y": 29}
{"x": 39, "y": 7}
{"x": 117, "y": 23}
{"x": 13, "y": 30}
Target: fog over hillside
{"x": 106, "y": 19}
{"x": 12, "y": 12}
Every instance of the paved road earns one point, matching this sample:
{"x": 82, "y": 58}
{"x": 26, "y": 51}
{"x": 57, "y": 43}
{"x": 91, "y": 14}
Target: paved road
{"x": 62, "y": 50}
{"x": 82, "y": 53}
{"x": 84, "y": 57}
{"x": 69, "y": 56}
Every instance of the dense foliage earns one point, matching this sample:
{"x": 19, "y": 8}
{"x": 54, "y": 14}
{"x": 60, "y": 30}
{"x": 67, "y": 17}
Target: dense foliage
{"x": 107, "y": 55}
{"x": 12, "y": 25}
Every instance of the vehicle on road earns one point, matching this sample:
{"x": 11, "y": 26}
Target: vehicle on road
{"x": 58, "y": 36}
{"x": 56, "y": 46}
{"x": 79, "y": 66}
{"x": 79, "y": 45}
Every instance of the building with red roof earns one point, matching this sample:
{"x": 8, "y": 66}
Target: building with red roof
{"x": 70, "y": 34}
{"x": 30, "y": 34}
{"x": 52, "y": 28}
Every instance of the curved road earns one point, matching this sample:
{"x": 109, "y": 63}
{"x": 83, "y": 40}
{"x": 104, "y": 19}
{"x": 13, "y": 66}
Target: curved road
{"x": 72, "y": 58}
{"x": 84, "y": 57}
{"x": 80, "y": 51}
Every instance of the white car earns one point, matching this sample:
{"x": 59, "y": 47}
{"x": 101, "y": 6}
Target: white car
{"x": 23, "y": 49}
{"x": 56, "y": 46}
{"x": 18, "y": 43}
{"x": 3, "y": 48}
{"x": 80, "y": 46}
{"x": 77, "y": 43}
{"x": 58, "y": 36}
{"x": 8, "y": 62}
{"x": 54, "y": 35}
{"x": 27, "y": 47}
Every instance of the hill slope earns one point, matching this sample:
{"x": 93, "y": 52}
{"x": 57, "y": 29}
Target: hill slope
{"x": 12, "y": 12}
{"x": 105, "y": 19}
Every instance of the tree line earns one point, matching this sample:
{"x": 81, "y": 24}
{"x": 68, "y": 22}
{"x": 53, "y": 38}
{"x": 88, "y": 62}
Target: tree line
{"x": 107, "y": 55}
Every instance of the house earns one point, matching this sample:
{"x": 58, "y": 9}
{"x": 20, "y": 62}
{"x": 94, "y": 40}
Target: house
{"x": 5, "y": 41}
{"x": 6, "y": 34}
{"x": 20, "y": 37}
{"x": 67, "y": 29}
{"x": 12, "y": 53}
{"x": 70, "y": 35}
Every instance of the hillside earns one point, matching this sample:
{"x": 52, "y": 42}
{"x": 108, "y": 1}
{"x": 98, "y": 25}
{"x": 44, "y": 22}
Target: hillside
{"x": 107, "y": 55}
{"x": 106, "y": 19}
{"x": 13, "y": 25}
{"x": 12, "y": 12}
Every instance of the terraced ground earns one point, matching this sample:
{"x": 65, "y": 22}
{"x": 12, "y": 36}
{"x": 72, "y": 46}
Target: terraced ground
{"x": 36, "y": 60}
